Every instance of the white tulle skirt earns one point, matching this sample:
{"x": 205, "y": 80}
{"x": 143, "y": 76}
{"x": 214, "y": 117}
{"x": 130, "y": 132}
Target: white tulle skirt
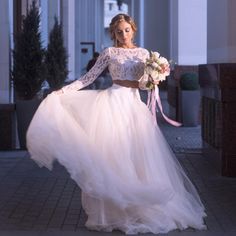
{"x": 129, "y": 177}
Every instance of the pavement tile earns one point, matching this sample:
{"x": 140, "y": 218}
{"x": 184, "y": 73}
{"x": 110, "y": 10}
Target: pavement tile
{"x": 35, "y": 201}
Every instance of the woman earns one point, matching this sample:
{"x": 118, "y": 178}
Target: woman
{"x": 107, "y": 140}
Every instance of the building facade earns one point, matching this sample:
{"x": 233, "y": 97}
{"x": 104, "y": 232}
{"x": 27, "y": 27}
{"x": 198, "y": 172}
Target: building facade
{"x": 190, "y": 32}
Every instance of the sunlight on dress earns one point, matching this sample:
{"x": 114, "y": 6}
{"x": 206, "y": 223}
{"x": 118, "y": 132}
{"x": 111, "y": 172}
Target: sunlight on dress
{"x": 106, "y": 139}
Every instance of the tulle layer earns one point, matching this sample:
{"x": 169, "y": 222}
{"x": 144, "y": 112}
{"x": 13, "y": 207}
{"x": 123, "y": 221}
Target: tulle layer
{"x": 129, "y": 177}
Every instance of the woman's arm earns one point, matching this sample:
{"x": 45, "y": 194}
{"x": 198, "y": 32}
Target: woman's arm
{"x": 101, "y": 63}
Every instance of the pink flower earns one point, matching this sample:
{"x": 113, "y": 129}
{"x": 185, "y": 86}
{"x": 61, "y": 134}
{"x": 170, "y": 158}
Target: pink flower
{"x": 156, "y": 70}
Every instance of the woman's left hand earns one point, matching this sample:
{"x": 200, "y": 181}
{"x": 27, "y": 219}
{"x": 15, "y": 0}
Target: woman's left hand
{"x": 156, "y": 82}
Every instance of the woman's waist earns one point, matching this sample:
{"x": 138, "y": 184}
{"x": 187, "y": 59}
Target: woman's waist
{"x": 127, "y": 83}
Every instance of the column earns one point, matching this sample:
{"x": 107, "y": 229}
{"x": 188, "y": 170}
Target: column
{"x": 53, "y": 10}
{"x": 5, "y": 52}
{"x": 25, "y": 4}
{"x": 137, "y": 10}
{"x": 68, "y": 21}
{"x": 221, "y": 31}
{"x": 232, "y": 31}
{"x": 89, "y": 30}
{"x": 156, "y": 24}
{"x": 99, "y": 25}
{"x": 43, "y": 9}
{"x": 82, "y": 23}
{"x": 188, "y": 31}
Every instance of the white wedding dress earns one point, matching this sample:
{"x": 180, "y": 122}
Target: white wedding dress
{"x": 108, "y": 142}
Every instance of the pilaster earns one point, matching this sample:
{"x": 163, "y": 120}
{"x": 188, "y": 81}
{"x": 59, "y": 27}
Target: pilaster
{"x": 221, "y": 31}
{"x": 188, "y": 31}
{"x": 5, "y": 52}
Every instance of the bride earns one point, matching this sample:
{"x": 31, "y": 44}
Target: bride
{"x": 129, "y": 177}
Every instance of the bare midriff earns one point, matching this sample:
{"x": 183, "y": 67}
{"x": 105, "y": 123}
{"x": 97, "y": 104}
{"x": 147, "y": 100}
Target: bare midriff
{"x": 127, "y": 83}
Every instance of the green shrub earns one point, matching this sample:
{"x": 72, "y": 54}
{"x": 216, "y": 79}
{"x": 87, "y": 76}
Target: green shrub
{"x": 28, "y": 68}
{"x": 56, "y": 58}
{"x": 189, "y": 81}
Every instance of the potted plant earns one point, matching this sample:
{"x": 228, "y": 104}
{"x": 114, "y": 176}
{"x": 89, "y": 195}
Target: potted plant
{"x": 190, "y": 98}
{"x": 28, "y": 70}
{"x": 56, "y": 58}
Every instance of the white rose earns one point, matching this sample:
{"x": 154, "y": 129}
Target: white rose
{"x": 148, "y": 70}
{"x": 155, "y": 55}
{"x": 154, "y": 74}
{"x": 155, "y": 65}
{"x": 163, "y": 60}
{"x": 167, "y": 73}
{"x": 162, "y": 77}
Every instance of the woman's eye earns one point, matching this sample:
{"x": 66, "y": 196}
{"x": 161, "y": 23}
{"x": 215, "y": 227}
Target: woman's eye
{"x": 120, "y": 31}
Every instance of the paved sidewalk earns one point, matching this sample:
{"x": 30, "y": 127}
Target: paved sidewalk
{"x": 35, "y": 201}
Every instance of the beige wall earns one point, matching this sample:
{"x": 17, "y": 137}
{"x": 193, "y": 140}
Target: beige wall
{"x": 156, "y": 26}
{"x": 221, "y": 31}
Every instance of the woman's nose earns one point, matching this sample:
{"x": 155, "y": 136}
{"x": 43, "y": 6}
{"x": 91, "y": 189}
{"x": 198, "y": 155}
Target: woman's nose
{"x": 122, "y": 34}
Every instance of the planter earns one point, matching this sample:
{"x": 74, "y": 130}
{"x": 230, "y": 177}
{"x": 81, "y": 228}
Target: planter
{"x": 25, "y": 110}
{"x": 190, "y": 107}
{"x": 7, "y": 126}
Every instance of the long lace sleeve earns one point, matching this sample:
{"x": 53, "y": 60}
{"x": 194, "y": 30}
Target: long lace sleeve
{"x": 101, "y": 63}
{"x": 143, "y": 82}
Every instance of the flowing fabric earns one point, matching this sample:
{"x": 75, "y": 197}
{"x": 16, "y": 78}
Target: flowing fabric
{"x": 153, "y": 99}
{"x": 106, "y": 139}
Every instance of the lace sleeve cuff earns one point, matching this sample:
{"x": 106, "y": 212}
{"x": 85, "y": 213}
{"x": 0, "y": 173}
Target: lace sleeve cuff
{"x": 143, "y": 82}
{"x": 76, "y": 85}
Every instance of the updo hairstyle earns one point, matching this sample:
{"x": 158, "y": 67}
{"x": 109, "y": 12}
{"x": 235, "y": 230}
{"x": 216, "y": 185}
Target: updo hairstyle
{"x": 116, "y": 20}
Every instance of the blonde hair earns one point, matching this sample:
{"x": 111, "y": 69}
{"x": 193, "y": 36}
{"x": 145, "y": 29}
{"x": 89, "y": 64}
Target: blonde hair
{"x": 116, "y": 20}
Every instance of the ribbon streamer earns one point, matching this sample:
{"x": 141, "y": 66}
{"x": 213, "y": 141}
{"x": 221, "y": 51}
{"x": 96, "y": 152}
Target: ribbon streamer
{"x": 153, "y": 98}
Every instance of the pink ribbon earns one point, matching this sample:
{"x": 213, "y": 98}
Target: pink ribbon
{"x": 153, "y": 97}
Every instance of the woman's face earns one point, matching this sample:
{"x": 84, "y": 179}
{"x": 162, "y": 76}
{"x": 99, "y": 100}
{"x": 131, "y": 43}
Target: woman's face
{"x": 124, "y": 34}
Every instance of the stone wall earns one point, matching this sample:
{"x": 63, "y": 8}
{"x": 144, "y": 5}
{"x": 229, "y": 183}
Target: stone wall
{"x": 219, "y": 113}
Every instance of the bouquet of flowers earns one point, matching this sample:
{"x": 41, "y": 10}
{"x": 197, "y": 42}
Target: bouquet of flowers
{"x": 156, "y": 69}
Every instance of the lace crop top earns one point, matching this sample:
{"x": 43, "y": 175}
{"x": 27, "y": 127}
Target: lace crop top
{"x": 123, "y": 64}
